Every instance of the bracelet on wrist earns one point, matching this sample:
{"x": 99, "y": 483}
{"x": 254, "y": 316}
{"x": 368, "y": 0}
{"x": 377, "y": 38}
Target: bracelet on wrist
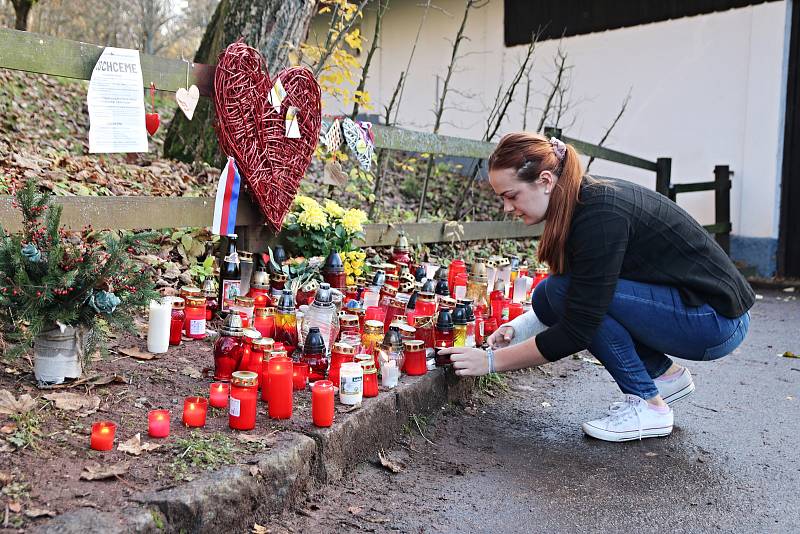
{"x": 490, "y": 357}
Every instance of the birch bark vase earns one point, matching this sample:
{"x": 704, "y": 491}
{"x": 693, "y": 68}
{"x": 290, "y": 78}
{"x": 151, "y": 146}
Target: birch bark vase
{"x": 58, "y": 355}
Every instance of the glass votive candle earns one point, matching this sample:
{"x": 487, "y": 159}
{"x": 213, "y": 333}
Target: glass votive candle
{"x": 279, "y": 390}
{"x": 158, "y": 423}
{"x": 218, "y": 394}
{"x": 194, "y": 411}
{"x": 244, "y": 400}
{"x": 414, "y": 350}
{"x": 299, "y": 375}
{"x": 322, "y": 403}
{"x": 102, "y": 438}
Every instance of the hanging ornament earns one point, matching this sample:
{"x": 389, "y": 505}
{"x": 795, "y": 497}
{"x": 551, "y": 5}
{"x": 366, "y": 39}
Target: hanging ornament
{"x": 360, "y": 140}
{"x": 187, "y": 98}
{"x": 333, "y": 136}
{"x": 151, "y": 120}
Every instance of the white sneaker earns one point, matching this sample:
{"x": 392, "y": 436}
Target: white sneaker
{"x": 632, "y": 419}
{"x": 675, "y": 388}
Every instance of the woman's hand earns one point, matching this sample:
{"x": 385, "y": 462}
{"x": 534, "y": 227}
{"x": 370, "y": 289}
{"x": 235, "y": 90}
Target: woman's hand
{"x": 468, "y": 361}
{"x": 501, "y": 337}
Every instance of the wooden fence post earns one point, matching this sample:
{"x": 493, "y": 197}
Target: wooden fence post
{"x": 722, "y": 205}
{"x": 664, "y": 177}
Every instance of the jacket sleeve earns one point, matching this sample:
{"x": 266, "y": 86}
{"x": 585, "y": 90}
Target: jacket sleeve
{"x": 595, "y": 251}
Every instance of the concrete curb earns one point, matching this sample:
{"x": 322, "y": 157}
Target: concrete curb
{"x": 297, "y": 462}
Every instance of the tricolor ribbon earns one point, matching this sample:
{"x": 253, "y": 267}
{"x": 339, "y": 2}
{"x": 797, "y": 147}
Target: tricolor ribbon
{"x": 227, "y": 200}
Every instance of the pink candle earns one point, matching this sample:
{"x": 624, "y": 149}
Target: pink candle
{"x": 103, "y": 435}
{"x": 218, "y": 395}
{"x": 194, "y": 411}
{"x": 158, "y": 423}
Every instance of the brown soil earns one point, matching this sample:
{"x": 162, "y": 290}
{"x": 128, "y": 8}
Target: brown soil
{"x": 46, "y": 474}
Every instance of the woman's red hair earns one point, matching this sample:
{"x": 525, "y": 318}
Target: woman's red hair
{"x": 530, "y": 154}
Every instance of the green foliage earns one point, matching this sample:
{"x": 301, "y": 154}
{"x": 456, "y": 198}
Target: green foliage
{"x": 492, "y": 382}
{"x": 27, "y": 432}
{"x": 50, "y": 276}
{"x": 207, "y": 452}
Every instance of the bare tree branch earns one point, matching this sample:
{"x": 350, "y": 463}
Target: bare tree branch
{"x": 404, "y": 76}
{"x": 560, "y": 61}
{"x": 613, "y": 124}
{"x": 383, "y": 5}
{"x": 331, "y": 43}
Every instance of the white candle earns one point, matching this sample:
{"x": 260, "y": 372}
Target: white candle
{"x": 389, "y": 374}
{"x": 158, "y": 326}
{"x": 521, "y": 286}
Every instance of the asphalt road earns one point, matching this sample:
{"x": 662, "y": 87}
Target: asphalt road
{"x": 518, "y": 462}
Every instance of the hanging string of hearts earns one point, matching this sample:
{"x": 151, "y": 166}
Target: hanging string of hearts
{"x": 254, "y": 131}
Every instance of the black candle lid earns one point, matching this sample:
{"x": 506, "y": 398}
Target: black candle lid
{"x": 393, "y": 338}
{"x": 323, "y": 295}
{"x": 444, "y": 321}
{"x": 333, "y": 264}
{"x": 441, "y": 274}
{"x": 314, "y": 343}
{"x": 442, "y": 288}
{"x": 379, "y": 279}
{"x": 429, "y": 286}
{"x": 286, "y": 300}
{"x": 412, "y": 301}
{"x": 420, "y": 273}
{"x": 460, "y": 315}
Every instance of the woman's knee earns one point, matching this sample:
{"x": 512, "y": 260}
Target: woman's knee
{"x": 547, "y": 299}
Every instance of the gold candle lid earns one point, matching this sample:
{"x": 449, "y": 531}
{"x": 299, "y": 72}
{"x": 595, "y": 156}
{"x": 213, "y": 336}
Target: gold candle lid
{"x": 278, "y": 277}
{"x": 373, "y": 327}
{"x": 195, "y": 302}
{"x": 264, "y": 343}
{"x": 348, "y": 320}
{"x": 187, "y": 291}
{"x": 245, "y": 256}
{"x": 178, "y": 303}
{"x": 447, "y": 303}
{"x": 389, "y": 291}
{"x": 423, "y": 320}
{"x": 247, "y": 302}
{"x": 244, "y": 378}
{"x": 264, "y": 312}
{"x": 344, "y": 348}
{"x": 413, "y": 344}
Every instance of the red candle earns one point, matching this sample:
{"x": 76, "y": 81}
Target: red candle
{"x": 218, "y": 394}
{"x": 371, "y": 382}
{"x": 264, "y": 321}
{"x": 514, "y": 310}
{"x": 322, "y": 403}
{"x": 103, "y": 435}
{"x": 158, "y": 423}
{"x": 414, "y": 351}
{"x": 244, "y": 400}
{"x": 194, "y": 411}
{"x": 195, "y": 322}
{"x": 176, "y": 323}
{"x": 299, "y": 375}
{"x": 279, "y": 394}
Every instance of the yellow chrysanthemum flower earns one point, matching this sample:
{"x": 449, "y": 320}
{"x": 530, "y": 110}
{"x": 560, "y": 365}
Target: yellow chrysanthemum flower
{"x": 306, "y": 202}
{"x": 334, "y": 209}
{"x": 313, "y": 218}
{"x": 353, "y": 220}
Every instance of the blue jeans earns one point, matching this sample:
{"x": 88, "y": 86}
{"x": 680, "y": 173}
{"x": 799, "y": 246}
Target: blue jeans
{"x": 643, "y": 324}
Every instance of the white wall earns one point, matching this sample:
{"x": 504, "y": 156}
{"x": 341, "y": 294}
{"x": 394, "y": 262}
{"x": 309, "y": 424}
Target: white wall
{"x": 706, "y": 90}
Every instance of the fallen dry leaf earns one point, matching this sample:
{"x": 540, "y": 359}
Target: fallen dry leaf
{"x": 83, "y": 404}
{"x": 5, "y": 447}
{"x": 265, "y": 439}
{"x": 651, "y": 454}
{"x": 790, "y": 354}
{"x": 258, "y": 529}
{"x": 388, "y": 463}
{"x": 347, "y": 409}
{"x": 135, "y": 446}
{"x": 15, "y": 507}
{"x": 95, "y": 471}
{"x": 9, "y": 428}
{"x": 788, "y": 289}
{"x": 136, "y": 354}
{"x": 33, "y": 513}
{"x": 5, "y": 478}
{"x": 355, "y": 510}
{"x": 191, "y": 372}
{"x": 10, "y": 405}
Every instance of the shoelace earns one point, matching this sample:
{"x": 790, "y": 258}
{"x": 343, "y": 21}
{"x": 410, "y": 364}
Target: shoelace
{"x": 620, "y": 411}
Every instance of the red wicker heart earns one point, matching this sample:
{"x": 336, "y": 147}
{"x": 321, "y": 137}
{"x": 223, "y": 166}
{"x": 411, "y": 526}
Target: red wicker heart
{"x": 253, "y": 133}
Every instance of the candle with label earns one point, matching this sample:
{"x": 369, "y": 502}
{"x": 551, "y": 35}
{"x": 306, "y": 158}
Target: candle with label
{"x": 279, "y": 389}
{"x": 218, "y": 394}
{"x": 243, "y": 401}
{"x": 158, "y": 423}
{"x": 195, "y": 323}
{"x": 102, "y": 438}
{"x": 194, "y": 411}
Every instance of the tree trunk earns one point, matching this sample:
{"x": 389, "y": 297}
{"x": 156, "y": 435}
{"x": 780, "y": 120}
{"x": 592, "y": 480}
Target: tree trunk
{"x": 21, "y": 10}
{"x": 270, "y": 26}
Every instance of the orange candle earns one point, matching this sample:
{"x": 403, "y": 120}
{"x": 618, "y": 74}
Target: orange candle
{"x": 103, "y": 435}
{"x": 158, "y": 423}
{"x": 279, "y": 394}
{"x": 218, "y": 395}
{"x": 322, "y": 403}
{"x": 194, "y": 411}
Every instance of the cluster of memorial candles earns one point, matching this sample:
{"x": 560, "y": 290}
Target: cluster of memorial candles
{"x": 267, "y": 342}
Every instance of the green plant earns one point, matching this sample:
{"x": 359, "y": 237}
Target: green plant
{"x": 204, "y": 452}
{"x": 492, "y": 382}
{"x": 50, "y": 276}
{"x": 313, "y": 229}
{"x": 27, "y": 432}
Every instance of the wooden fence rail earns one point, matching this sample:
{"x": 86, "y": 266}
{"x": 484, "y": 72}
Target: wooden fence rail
{"x": 71, "y": 59}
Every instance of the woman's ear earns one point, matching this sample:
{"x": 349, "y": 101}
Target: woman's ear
{"x": 546, "y": 179}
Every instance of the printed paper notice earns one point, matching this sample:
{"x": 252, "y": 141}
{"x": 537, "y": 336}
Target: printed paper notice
{"x": 116, "y": 103}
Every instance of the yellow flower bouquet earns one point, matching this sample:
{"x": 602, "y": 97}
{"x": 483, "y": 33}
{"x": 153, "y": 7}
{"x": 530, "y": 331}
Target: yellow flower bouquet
{"x": 314, "y": 229}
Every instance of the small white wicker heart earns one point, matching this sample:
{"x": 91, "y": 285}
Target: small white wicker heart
{"x": 187, "y": 100}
